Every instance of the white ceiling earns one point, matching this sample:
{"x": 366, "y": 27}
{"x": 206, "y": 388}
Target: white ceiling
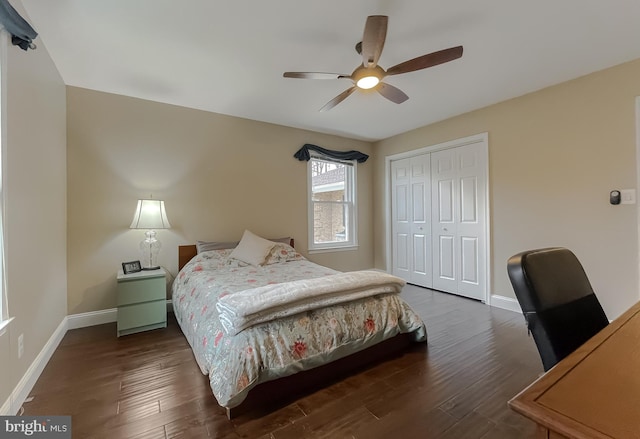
{"x": 228, "y": 56}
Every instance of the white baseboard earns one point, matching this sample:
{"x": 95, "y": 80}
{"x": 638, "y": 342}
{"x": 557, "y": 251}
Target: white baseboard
{"x": 25, "y": 385}
{"x": 85, "y": 319}
{"x": 507, "y": 303}
{"x": 12, "y": 405}
{"x": 5, "y": 410}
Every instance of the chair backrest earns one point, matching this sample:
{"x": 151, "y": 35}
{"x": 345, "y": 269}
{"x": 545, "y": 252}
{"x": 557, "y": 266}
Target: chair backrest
{"x": 558, "y": 303}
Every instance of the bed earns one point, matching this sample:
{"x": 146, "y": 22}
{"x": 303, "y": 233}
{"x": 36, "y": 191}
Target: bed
{"x": 246, "y": 362}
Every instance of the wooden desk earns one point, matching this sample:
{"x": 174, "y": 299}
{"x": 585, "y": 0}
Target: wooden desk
{"x": 595, "y": 391}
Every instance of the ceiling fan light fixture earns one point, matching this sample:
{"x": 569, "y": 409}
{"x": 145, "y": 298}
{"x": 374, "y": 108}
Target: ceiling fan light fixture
{"x": 369, "y": 75}
{"x": 368, "y": 82}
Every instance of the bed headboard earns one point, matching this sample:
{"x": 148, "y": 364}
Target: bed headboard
{"x": 188, "y": 252}
{"x": 185, "y": 254}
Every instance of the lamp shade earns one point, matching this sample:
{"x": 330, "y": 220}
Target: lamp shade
{"x": 150, "y": 214}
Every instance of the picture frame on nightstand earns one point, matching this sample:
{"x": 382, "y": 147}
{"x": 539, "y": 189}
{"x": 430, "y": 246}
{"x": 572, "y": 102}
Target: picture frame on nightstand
{"x": 131, "y": 267}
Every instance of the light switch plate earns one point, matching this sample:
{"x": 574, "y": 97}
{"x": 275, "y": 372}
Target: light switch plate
{"x": 628, "y": 196}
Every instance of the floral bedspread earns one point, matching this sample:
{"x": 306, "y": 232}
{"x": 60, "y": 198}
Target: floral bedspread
{"x": 279, "y": 348}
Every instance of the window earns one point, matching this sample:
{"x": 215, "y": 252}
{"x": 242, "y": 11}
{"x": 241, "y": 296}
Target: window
{"x": 332, "y": 203}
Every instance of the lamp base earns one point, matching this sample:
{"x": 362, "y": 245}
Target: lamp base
{"x": 151, "y": 268}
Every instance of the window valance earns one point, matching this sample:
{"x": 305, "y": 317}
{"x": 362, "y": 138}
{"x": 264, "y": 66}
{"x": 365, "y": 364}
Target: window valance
{"x": 22, "y": 34}
{"x": 303, "y": 154}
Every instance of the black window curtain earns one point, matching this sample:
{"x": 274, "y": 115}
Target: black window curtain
{"x": 22, "y": 34}
{"x": 303, "y": 154}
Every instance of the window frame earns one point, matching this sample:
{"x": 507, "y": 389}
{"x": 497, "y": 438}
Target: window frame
{"x": 351, "y": 206}
{"x": 4, "y": 301}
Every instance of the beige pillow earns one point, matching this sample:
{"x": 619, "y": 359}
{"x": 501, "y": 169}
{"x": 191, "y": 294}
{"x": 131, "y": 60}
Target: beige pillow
{"x": 252, "y": 249}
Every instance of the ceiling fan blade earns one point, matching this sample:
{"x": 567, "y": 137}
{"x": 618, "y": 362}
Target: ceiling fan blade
{"x": 394, "y": 94}
{"x": 375, "y": 33}
{"x": 313, "y": 75}
{"x": 424, "y": 61}
{"x": 335, "y": 101}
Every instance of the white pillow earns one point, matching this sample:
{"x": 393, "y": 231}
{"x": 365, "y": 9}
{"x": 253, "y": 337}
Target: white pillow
{"x": 252, "y": 249}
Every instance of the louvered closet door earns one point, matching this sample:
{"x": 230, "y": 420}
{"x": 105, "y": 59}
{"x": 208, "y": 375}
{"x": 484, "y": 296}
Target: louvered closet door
{"x": 458, "y": 178}
{"x": 411, "y": 217}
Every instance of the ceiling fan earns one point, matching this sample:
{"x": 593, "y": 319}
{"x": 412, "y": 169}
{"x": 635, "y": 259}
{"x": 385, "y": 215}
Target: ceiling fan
{"x": 369, "y": 75}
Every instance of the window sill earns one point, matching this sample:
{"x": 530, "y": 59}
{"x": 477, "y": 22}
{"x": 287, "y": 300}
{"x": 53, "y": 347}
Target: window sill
{"x": 4, "y": 324}
{"x": 332, "y": 249}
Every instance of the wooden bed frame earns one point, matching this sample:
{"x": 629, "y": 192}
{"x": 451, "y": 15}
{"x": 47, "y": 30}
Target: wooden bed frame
{"x": 269, "y": 395}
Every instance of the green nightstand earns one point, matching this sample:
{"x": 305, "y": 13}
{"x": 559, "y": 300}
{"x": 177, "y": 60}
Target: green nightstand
{"x": 142, "y": 301}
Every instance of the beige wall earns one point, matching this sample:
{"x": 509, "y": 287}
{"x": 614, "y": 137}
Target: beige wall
{"x": 217, "y": 174}
{"x": 554, "y": 156}
{"x": 35, "y": 208}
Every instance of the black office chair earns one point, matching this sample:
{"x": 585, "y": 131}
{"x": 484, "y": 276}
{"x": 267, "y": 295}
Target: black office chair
{"x": 559, "y": 305}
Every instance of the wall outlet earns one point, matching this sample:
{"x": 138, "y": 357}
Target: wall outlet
{"x": 20, "y": 345}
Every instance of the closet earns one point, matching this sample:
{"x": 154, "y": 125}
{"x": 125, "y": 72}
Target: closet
{"x": 439, "y": 216}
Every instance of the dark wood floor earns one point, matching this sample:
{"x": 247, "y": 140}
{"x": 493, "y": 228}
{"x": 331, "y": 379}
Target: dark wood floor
{"x": 148, "y": 385}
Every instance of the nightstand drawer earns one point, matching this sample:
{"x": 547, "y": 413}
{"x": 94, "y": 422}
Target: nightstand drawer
{"x": 141, "y": 290}
{"x": 142, "y": 314}
{"x": 142, "y": 303}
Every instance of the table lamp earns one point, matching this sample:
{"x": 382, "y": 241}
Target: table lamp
{"x": 150, "y": 215}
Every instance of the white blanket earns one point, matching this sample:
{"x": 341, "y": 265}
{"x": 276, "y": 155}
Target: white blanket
{"x": 246, "y": 308}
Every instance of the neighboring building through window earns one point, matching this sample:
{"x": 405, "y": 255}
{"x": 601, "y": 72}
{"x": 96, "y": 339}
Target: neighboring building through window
{"x": 332, "y": 203}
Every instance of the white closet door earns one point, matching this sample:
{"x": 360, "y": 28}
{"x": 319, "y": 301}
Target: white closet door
{"x": 458, "y": 182}
{"x": 401, "y": 218}
{"x": 411, "y": 216}
{"x": 445, "y": 193}
{"x": 471, "y": 224}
